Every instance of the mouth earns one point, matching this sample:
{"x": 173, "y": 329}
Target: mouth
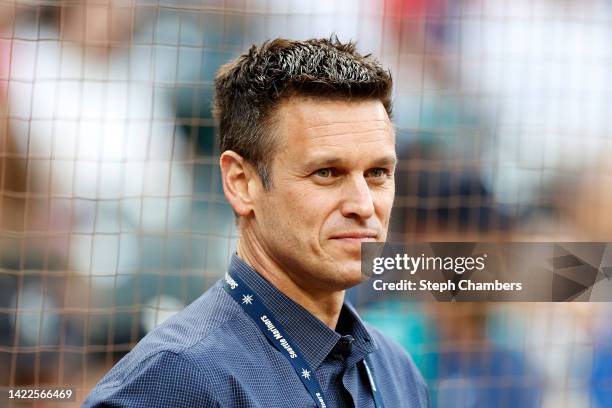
{"x": 356, "y": 236}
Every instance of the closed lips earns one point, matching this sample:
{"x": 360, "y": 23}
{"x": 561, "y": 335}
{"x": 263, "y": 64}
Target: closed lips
{"x": 355, "y": 235}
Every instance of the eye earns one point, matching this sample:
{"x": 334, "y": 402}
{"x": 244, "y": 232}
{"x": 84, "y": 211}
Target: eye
{"x": 377, "y": 172}
{"x": 325, "y": 173}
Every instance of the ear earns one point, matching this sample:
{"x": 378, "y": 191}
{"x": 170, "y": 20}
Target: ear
{"x": 236, "y": 176}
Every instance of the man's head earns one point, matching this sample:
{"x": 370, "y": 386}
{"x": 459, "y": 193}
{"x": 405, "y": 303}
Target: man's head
{"x": 308, "y": 155}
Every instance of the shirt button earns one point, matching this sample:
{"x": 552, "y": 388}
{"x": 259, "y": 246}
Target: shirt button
{"x": 346, "y": 343}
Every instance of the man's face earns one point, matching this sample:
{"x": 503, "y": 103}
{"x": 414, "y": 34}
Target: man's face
{"x": 332, "y": 189}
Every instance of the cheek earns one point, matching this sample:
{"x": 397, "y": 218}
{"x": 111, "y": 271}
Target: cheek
{"x": 295, "y": 209}
{"x": 311, "y": 209}
{"x": 383, "y": 202}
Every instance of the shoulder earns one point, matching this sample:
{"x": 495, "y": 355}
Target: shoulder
{"x": 395, "y": 366}
{"x": 163, "y": 378}
{"x": 196, "y": 324}
{"x": 174, "y": 365}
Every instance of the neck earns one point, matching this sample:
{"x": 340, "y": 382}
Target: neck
{"x": 324, "y": 305}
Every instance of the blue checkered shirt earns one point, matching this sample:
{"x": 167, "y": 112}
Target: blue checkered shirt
{"x": 213, "y": 355}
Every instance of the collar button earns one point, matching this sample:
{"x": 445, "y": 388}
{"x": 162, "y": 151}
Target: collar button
{"x": 346, "y": 342}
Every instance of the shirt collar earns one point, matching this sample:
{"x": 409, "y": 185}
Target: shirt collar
{"x": 314, "y": 339}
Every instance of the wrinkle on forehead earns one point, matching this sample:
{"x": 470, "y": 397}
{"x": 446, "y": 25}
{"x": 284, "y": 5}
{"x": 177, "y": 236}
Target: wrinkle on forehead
{"x": 355, "y": 135}
{"x": 369, "y": 132}
{"x": 311, "y": 111}
{"x": 308, "y": 121}
{"x": 356, "y": 126}
{"x": 384, "y": 123}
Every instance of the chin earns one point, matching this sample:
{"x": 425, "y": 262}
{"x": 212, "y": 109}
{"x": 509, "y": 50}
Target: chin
{"x": 349, "y": 274}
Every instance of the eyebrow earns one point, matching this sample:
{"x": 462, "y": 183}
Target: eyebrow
{"x": 390, "y": 160}
{"x": 387, "y": 160}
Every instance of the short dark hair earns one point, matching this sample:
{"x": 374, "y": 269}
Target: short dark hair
{"x": 249, "y": 88}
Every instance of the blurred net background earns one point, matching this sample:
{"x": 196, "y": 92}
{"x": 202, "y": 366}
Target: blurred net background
{"x": 112, "y": 217}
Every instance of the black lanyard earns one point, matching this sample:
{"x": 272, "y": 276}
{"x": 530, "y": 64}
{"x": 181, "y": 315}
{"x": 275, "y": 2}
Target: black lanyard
{"x": 271, "y": 328}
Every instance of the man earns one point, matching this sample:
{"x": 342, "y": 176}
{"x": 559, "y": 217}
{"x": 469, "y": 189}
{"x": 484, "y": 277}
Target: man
{"x": 307, "y": 163}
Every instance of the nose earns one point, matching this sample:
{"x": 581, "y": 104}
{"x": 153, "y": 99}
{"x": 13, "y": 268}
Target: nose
{"x": 357, "y": 201}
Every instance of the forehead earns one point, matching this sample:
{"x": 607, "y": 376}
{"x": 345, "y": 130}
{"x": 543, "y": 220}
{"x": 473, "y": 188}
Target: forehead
{"x": 314, "y": 125}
